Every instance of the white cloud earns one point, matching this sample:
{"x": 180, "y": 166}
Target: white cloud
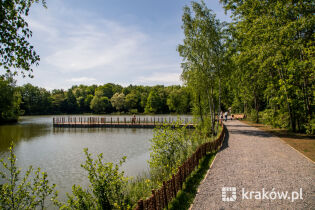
{"x": 77, "y": 47}
{"x": 83, "y": 80}
{"x": 82, "y": 46}
{"x": 161, "y": 78}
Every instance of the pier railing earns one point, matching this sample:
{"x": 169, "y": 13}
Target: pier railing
{"x": 161, "y": 197}
{"x": 143, "y": 122}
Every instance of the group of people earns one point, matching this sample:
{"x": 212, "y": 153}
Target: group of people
{"x": 225, "y": 116}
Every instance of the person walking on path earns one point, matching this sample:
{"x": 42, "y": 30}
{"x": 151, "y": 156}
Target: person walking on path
{"x": 225, "y": 115}
{"x": 133, "y": 119}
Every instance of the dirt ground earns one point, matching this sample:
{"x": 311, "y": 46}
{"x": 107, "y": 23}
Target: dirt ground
{"x": 301, "y": 142}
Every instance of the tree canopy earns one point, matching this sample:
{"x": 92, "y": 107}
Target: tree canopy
{"x": 16, "y": 53}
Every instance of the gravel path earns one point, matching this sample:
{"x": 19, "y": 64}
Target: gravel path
{"x": 254, "y": 159}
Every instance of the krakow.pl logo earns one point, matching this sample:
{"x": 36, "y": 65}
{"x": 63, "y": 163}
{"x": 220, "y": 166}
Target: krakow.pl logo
{"x": 228, "y": 193}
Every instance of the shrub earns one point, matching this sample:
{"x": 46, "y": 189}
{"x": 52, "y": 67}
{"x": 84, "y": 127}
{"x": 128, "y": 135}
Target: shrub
{"x": 169, "y": 148}
{"x": 107, "y": 188}
{"x": 276, "y": 119}
{"x": 27, "y": 192}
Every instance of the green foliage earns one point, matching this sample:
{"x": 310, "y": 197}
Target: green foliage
{"x": 118, "y": 101}
{"x": 169, "y": 148}
{"x": 153, "y": 102}
{"x": 10, "y": 100}
{"x": 275, "y": 118}
{"x": 15, "y": 51}
{"x": 71, "y": 105}
{"x": 310, "y": 127}
{"x": 58, "y": 101}
{"x": 140, "y": 188}
{"x": 178, "y": 101}
{"x": 205, "y": 128}
{"x": 28, "y": 192}
{"x": 105, "y": 90}
{"x": 35, "y": 100}
{"x": 107, "y": 188}
{"x": 132, "y": 101}
{"x": 86, "y": 99}
{"x": 204, "y": 59}
{"x": 185, "y": 197}
{"x": 272, "y": 50}
{"x": 100, "y": 104}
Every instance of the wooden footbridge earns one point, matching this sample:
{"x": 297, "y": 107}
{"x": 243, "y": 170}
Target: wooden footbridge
{"x": 118, "y": 122}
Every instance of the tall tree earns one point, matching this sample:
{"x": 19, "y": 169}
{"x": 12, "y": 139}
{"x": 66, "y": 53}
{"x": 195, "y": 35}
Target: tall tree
{"x": 118, "y": 101}
{"x": 35, "y": 100}
{"x": 202, "y": 53}
{"x": 100, "y": 104}
{"x": 15, "y": 50}
{"x": 153, "y": 103}
{"x": 9, "y": 100}
{"x": 275, "y": 41}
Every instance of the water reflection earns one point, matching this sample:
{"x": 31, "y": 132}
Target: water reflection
{"x": 57, "y": 130}
{"x": 59, "y": 151}
{"x": 21, "y": 132}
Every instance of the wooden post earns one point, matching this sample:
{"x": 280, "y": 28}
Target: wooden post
{"x": 111, "y": 120}
{"x": 140, "y": 205}
{"x": 154, "y": 200}
{"x": 165, "y": 194}
{"x": 174, "y": 185}
{"x": 181, "y": 176}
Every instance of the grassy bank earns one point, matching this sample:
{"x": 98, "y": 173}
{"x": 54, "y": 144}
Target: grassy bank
{"x": 186, "y": 196}
{"x": 302, "y": 142}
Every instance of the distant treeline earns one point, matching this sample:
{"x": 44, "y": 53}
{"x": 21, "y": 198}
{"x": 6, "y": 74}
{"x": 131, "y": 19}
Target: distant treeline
{"x": 102, "y": 99}
{"x": 261, "y": 64}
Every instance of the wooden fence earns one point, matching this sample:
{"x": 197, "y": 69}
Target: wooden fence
{"x": 118, "y": 122}
{"x": 160, "y": 198}
{"x": 238, "y": 116}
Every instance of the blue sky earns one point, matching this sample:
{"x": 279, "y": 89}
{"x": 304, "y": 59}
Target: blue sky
{"x": 119, "y": 41}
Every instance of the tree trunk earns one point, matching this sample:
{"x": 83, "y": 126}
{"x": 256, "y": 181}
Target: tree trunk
{"x": 292, "y": 123}
{"x": 256, "y": 108}
{"x": 219, "y": 106}
{"x": 210, "y": 108}
{"x": 213, "y": 112}
{"x": 200, "y": 108}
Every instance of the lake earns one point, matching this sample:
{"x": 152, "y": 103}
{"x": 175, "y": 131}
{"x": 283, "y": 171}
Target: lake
{"x": 59, "y": 151}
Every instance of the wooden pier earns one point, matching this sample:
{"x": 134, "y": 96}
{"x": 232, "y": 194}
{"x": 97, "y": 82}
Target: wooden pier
{"x": 118, "y": 122}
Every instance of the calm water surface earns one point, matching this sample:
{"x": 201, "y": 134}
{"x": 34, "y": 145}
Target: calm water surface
{"x": 59, "y": 151}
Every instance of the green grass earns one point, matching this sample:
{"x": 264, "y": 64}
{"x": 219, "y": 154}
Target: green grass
{"x": 186, "y": 196}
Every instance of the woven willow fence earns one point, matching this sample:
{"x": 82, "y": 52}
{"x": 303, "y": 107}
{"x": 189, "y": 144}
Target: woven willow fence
{"x": 161, "y": 197}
